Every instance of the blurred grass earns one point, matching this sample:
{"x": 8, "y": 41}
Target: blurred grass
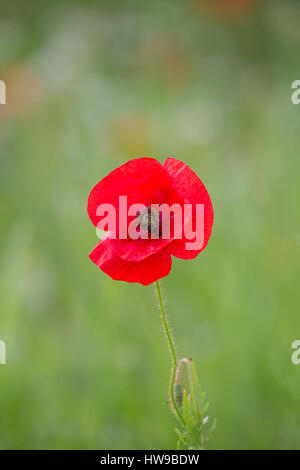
{"x": 88, "y": 88}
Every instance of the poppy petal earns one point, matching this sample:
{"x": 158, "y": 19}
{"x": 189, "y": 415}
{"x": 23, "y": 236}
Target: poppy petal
{"x": 190, "y": 188}
{"x": 142, "y": 180}
{"x": 138, "y": 250}
{"x": 105, "y": 256}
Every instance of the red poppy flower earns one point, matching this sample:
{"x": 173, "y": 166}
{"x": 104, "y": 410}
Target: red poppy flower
{"x": 145, "y": 181}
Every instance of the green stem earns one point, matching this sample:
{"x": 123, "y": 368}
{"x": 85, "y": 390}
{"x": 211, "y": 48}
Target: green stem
{"x": 172, "y": 350}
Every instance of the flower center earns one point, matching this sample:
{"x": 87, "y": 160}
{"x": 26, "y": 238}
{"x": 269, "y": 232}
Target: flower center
{"x": 150, "y": 221}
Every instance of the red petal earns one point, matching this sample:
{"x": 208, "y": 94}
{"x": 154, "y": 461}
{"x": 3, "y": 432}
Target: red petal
{"x": 145, "y": 272}
{"x": 189, "y": 187}
{"x": 142, "y": 180}
{"x": 138, "y": 250}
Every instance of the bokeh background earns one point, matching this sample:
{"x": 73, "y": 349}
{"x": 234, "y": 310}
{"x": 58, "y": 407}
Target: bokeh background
{"x": 89, "y": 86}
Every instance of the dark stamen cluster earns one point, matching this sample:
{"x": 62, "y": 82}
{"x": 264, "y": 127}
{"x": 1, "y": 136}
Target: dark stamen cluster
{"x": 149, "y": 221}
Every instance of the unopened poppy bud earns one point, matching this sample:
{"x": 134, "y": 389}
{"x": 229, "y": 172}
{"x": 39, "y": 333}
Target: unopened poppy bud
{"x": 178, "y": 387}
{"x": 178, "y": 394}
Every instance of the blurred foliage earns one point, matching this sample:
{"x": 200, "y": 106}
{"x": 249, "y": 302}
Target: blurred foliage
{"x": 90, "y": 85}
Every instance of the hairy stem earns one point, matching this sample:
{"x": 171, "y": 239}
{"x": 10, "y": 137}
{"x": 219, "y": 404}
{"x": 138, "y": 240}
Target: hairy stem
{"x": 172, "y": 351}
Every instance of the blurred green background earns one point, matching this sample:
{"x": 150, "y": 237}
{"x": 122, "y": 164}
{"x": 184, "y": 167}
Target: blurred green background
{"x": 89, "y": 86}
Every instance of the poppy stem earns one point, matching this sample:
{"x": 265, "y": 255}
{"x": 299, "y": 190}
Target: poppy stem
{"x": 172, "y": 351}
